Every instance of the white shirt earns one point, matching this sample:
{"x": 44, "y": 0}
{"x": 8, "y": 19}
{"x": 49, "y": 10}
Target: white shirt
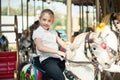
{"x": 48, "y": 38}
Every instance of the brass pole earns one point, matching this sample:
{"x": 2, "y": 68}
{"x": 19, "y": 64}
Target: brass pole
{"x": 82, "y": 17}
{"x": 97, "y": 12}
{"x": 69, "y": 20}
{"x": 22, "y": 14}
{"x": 27, "y": 12}
{"x": 0, "y": 15}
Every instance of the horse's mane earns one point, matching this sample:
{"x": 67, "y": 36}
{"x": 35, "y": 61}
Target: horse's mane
{"x": 79, "y": 40}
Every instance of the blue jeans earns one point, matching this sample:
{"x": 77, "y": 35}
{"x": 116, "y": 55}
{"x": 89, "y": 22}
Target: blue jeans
{"x": 54, "y": 67}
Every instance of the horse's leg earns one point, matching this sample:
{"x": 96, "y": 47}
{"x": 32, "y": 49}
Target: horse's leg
{"x": 99, "y": 75}
{"x": 119, "y": 43}
{"x": 116, "y": 76}
{"x": 107, "y": 76}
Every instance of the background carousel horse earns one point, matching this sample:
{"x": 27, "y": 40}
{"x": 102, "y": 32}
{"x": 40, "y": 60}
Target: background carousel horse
{"x": 24, "y": 46}
{"x": 110, "y": 27}
{"x": 26, "y": 43}
{"x": 3, "y": 43}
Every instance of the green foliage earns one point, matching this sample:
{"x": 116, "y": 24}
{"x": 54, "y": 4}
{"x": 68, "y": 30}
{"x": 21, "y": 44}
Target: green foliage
{"x": 4, "y": 11}
{"x": 12, "y": 48}
{"x": 60, "y": 20}
{"x": 57, "y": 23}
{"x": 12, "y": 11}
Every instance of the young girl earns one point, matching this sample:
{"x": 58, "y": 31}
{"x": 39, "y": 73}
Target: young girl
{"x": 47, "y": 41}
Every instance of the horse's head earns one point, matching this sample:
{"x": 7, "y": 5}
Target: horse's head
{"x": 90, "y": 47}
{"x": 101, "y": 51}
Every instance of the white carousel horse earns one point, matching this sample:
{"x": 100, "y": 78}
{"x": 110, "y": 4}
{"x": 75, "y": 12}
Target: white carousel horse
{"x": 86, "y": 55}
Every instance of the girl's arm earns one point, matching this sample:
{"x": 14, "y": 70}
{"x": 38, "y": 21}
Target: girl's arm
{"x": 46, "y": 49}
{"x": 61, "y": 42}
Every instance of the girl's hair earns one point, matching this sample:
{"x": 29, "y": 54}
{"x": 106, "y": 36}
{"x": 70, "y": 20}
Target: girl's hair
{"x": 47, "y": 11}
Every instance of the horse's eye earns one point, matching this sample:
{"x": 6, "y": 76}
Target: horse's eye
{"x": 94, "y": 48}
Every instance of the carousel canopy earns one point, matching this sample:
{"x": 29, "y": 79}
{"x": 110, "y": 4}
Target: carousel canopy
{"x": 105, "y": 5}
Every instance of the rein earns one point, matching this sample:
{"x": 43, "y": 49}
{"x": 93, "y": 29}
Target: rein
{"x": 80, "y": 62}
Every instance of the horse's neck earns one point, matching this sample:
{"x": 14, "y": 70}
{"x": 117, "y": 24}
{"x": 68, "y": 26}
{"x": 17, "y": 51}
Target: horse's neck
{"x": 81, "y": 70}
{"x": 77, "y": 48}
{"x": 81, "y": 55}
{"x": 78, "y": 40}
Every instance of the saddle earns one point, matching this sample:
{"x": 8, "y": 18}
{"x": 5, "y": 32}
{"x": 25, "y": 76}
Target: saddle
{"x": 36, "y": 64}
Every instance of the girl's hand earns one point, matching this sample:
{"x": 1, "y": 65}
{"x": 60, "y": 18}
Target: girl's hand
{"x": 62, "y": 54}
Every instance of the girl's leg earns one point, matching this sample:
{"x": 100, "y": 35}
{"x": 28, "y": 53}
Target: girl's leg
{"x": 51, "y": 66}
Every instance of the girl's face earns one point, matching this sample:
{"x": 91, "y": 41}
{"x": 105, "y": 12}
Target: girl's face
{"x": 46, "y": 20}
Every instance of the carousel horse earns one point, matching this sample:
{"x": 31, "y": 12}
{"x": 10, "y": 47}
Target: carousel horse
{"x": 85, "y": 57}
{"x": 25, "y": 40}
{"x": 26, "y": 44}
{"x": 26, "y": 37}
{"x": 108, "y": 30}
{"x": 3, "y": 43}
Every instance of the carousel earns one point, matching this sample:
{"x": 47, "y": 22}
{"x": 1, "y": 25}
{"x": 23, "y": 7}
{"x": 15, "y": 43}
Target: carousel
{"x": 93, "y": 50}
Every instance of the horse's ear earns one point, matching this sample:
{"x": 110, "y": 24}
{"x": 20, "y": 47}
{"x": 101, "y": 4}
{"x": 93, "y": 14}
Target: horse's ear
{"x": 99, "y": 34}
{"x": 98, "y": 37}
